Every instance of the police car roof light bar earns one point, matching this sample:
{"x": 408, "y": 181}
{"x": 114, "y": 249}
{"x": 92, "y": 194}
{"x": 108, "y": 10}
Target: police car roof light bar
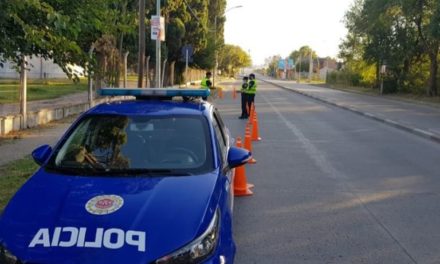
{"x": 154, "y": 92}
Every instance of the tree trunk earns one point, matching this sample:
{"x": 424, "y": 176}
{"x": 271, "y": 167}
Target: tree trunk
{"x": 120, "y": 68}
{"x": 377, "y": 75}
{"x": 172, "y": 67}
{"x": 404, "y": 75}
{"x": 433, "y": 69}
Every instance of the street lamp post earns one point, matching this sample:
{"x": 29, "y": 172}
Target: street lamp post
{"x": 215, "y": 51}
{"x": 141, "y": 56}
{"x": 158, "y": 55}
{"x": 215, "y": 42}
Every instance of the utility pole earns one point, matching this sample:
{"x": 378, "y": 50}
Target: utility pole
{"x": 326, "y": 70}
{"x": 23, "y": 93}
{"x": 310, "y": 66}
{"x": 186, "y": 67}
{"x": 147, "y": 75}
{"x": 89, "y": 77}
{"x": 126, "y": 69}
{"x": 215, "y": 51}
{"x": 141, "y": 55}
{"x": 158, "y": 47}
{"x": 215, "y": 43}
{"x": 163, "y": 72}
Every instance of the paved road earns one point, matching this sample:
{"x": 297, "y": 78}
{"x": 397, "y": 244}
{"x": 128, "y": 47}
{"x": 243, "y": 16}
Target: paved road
{"x": 334, "y": 187}
{"x": 423, "y": 120}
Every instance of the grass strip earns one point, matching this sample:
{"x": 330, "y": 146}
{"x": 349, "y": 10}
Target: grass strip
{"x": 12, "y": 177}
{"x": 9, "y": 91}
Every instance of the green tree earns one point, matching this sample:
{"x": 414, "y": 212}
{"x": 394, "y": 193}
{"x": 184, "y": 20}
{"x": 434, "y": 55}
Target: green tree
{"x": 302, "y": 57}
{"x": 426, "y": 17}
{"x": 30, "y": 28}
{"x": 272, "y": 65}
{"x": 65, "y": 31}
{"x": 231, "y": 58}
{"x": 388, "y": 32}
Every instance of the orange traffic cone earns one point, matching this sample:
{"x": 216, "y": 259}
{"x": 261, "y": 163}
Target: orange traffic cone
{"x": 241, "y": 187}
{"x": 220, "y": 93}
{"x": 248, "y": 143}
{"x": 234, "y": 93}
{"x": 255, "y": 135}
{"x": 251, "y": 114}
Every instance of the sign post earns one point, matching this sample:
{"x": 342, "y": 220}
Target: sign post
{"x": 187, "y": 52}
{"x": 158, "y": 34}
{"x": 383, "y": 70}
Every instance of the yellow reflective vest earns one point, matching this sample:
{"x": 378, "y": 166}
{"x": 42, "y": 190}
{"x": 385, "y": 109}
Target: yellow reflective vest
{"x": 244, "y": 87}
{"x": 252, "y": 87}
{"x": 206, "y": 83}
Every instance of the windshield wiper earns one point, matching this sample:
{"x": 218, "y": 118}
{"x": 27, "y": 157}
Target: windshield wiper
{"x": 167, "y": 172}
{"x": 116, "y": 172}
{"x": 69, "y": 170}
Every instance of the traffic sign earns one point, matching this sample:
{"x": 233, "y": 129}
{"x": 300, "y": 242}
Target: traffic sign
{"x": 157, "y": 28}
{"x": 187, "y": 53}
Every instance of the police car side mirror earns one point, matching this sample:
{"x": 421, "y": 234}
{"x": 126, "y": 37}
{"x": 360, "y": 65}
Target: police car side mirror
{"x": 238, "y": 157}
{"x": 41, "y": 154}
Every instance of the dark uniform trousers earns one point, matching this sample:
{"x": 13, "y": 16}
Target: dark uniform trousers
{"x": 250, "y": 101}
{"x": 244, "y": 112}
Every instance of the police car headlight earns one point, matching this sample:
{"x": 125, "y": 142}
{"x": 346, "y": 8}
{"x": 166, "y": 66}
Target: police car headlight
{"x": 197, "y": 250}
{"x": 6, "y": 256}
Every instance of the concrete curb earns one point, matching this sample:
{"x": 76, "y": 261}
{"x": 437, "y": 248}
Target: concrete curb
{"x": 43, "y": 116}
{"x": 412, "y": 130}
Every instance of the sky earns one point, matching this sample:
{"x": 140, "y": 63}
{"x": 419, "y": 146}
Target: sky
{"x": 278, "y": 27}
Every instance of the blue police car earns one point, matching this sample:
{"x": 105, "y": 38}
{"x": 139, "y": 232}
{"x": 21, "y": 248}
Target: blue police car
{"x": 137, "y": 181}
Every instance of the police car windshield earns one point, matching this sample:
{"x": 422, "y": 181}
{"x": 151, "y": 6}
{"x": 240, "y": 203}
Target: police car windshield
{"x": 115, "y": 144}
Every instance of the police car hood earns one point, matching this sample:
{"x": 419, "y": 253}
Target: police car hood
{"x": 100, "y": 219}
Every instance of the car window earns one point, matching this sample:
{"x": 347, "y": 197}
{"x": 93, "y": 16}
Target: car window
{"x": 136, "y": 143}
{"x": 220, "y": 135}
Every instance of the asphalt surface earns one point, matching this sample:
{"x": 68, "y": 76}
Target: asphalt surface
{"x": 419, "y": 119}
{"x": 332, "y": 186}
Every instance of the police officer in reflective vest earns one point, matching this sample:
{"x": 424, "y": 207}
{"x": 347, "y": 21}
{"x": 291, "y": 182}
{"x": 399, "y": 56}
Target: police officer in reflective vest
{"x": 243, "y": 91}
{"x": 206, "y": 83}
{"x": 251, "y": 91}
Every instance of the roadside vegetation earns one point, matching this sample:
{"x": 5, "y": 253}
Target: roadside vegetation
{"x": 67, "y": 32}
{"x": 12, "y": 177}
{"x": 394, "y": 41}
{"x": 390, "y": 44}
{"x": 39, "y": 89}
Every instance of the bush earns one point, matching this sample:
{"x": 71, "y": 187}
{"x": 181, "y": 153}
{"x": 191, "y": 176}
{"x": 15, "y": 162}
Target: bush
{"x": 390, "y": 86}
{"x": 344, "y": 78}
{"x": 355, "y": 79}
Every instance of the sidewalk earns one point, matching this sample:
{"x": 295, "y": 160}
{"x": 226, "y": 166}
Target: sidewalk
{"x": 14, "y": 149}
{"x": 419, "y": 119}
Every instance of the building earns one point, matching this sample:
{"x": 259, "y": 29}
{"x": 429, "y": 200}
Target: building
{"x": 39, "y": 68}
{"x": 326, "y": 65}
